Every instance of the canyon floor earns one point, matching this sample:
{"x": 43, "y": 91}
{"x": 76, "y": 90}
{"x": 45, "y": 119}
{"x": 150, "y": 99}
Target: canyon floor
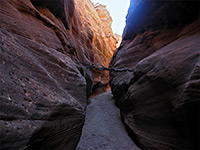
{"x": 103, "y": 128}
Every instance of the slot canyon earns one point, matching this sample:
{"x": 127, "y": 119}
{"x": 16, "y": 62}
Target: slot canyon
{"x": 66, "y": 83}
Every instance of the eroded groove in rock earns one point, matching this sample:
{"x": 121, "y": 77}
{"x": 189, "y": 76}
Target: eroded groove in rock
{"x": 60, "y": 8}
{"x": 160, "y": 101}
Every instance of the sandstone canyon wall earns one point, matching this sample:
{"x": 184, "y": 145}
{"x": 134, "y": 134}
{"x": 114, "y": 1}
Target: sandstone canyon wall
{"x": 106, "y": 20}
{"x": 43, "y": 87}
{"x": 119, "y": 39}
{"x": 103, "y": 43}
{"x": 160, "y": 100}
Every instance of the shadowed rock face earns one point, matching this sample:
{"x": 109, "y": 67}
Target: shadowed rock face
{"x": 160, "y": 101}
{"x": 43, "y": 90}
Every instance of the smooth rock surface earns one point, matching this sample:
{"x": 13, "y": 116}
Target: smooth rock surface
{"x": 160, "y": 100}
{"x": 103, "y": 129}
{"x": 39, "y": 107}
{"x": 43, "y": 87}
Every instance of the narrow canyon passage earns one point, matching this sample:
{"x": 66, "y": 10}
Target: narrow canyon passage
{"x": 103, "y": 128}
{"x": 48, "y": 53}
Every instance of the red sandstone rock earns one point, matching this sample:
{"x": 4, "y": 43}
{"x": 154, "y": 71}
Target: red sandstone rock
{"x": 103, "y": 45}
{"x": 119, "y": 39}
{"x": 41, "y": 107}
{"x": 106, "y": 20}
{"x": 43, "y": 88}
{"x": 160, "y": 101}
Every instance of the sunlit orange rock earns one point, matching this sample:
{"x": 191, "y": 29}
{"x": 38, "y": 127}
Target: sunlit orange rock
{"x": 119, "y": 39}
{"x": 103, "y": 41}
{"x": 106, "y": 19}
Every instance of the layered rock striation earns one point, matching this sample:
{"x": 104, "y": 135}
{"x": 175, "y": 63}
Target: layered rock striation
{"x": 94, "y": 17}
{"x": 160, "y": 100}
{"x": 102, "y": 47}
{"x": 106, "y": 20}
{"x": 43, "y": 85}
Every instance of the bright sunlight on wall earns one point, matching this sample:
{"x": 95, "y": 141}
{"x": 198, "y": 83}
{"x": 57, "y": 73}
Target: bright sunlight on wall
{"x": 118, "y": 11}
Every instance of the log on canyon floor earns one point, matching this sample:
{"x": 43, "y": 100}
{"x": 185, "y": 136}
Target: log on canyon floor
{"x": 103, "y": 129}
